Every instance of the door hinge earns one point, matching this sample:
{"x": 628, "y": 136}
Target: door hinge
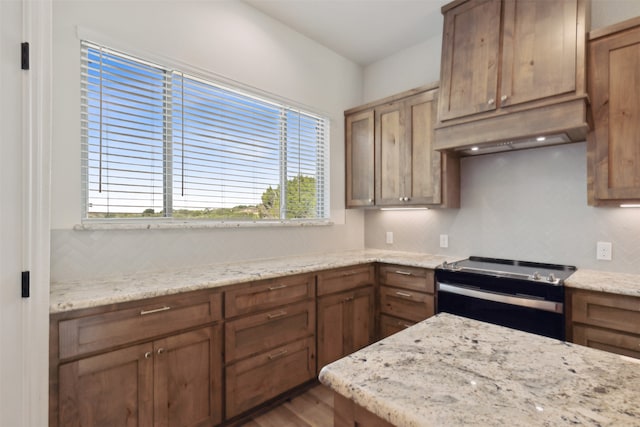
{"x": 24, "y": 60}
{"x": 26, "y": 284}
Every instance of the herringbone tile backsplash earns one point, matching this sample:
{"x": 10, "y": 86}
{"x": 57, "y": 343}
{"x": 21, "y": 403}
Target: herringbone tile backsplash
{"x": 528, "y": 205}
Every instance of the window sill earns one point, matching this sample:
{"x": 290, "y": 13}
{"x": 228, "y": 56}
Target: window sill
{"x": 95, "y": 225}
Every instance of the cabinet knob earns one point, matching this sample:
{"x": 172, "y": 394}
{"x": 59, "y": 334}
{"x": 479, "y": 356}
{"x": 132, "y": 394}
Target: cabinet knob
{"x": 147, "y": 355}
{"x": 503, "y": 98}
{"x": 491, "y": 101}
{"x": 370, "y": 201}
{"x": 161, "y": 350}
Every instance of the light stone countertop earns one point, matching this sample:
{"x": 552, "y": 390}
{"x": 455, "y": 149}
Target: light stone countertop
{"x": 605, "y": 281}
{"x": 73, "y": 295}
{"x": 452, "y": 371}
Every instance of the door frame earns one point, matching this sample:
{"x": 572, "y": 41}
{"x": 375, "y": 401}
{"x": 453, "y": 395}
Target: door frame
{"x": 25, "y": 394}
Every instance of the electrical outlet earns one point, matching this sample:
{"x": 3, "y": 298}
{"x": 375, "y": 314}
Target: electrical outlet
{"x": 603, "y": 251}
{"x": 389, "y": 237}
{"x": 444, "y": 240}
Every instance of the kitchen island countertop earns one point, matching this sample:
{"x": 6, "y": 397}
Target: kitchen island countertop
{"x": 452, "y": 371}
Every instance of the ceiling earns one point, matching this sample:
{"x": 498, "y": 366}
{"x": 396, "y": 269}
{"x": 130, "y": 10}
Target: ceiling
{"x": 363, "y": 31}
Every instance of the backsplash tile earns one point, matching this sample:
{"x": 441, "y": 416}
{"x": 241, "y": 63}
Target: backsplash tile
{"x": 528, "y": 205}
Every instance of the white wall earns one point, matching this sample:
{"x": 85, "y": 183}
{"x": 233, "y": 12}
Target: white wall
{"x": 525, "y": 205}
{"x": 227, "y": 38}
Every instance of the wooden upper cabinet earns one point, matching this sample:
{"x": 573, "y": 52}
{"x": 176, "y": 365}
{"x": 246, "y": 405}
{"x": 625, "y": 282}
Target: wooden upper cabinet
{"x": 469, "y": 74}
{"x": 512, "y": 70}
{"x": 408, "y": 171}
{"x": 359, "y": 145}
{"x": 614, "y": 88}
{"x": 401, "y": 166}
{"x": 539, "y": 50}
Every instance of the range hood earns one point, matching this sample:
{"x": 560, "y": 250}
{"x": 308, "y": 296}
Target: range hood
{"x": 507, "y": 130}
{"x": 512, "y": 145}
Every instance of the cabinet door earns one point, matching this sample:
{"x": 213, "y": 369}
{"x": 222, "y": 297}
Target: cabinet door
{"x": 345, "y": 324}
{"x": 539, "y": 50}
{"x": 423, "y": 177}
{"x": 112, "y": 389}
{"x": 188, "y": 379}
{"x": 359, "y": 146}
{"x": 614, "y": 145}
{"x": 607, "y": 340}
{"x": 392, "y": 153}
{"x": 469, "y": 70}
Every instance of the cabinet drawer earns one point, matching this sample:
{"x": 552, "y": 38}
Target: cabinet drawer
{"x": 345, "y": 278}
{"x": 603, "y": 339}
{"x": 419, "y": 279}
{"x": 261, "y": 332}
{"x": 257, "y": 379}
{"x": 606, "y": 310}
{"x": 406, "y": 304}
{"x": 389, "y": 325}
{"x": 267, "y": 294}
{"x": 138, "y": 322}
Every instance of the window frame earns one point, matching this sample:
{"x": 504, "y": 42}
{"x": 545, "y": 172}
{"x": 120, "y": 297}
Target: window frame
{"x": 322, "y": 175}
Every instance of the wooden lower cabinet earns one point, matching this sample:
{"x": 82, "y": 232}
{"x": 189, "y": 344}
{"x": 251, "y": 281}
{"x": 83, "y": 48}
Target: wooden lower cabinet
{"x": 607, "y": 340}
{"x": 405, "y": 303}
{"x": 605, "y": 321}
{"x": 406, "y": 296}
{"x": 255, "y": 380}
{"x": 345, "y": 323}
{"x": 389, "y": 325}
{"x": 175, "y": 381}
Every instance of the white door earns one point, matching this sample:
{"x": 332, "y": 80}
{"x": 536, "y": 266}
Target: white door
{"x": 24, "y": 212}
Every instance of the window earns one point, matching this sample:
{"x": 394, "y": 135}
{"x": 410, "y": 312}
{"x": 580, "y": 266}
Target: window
{"x": 158, "y": 142}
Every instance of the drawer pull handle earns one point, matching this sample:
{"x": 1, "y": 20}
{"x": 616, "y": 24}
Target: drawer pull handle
{"x": 404, "y": 273}
{"x": 155, "y": 310}
{"x": 275, "y": 288}
{"x": 350, "y": 273}
{"x": 403, "y": 294}
{"x": 278, "y": 354}
{"x": 147, "y": 355}
{"x": 347, "y": 299}
{"x": 272, "y": 316}
{"x": 404, "y": 325}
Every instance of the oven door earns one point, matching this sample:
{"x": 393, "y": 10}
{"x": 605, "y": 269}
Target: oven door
{"x": 526, "y": 313}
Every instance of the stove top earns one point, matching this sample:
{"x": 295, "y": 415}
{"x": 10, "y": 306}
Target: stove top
{"x": 522, "y": 270}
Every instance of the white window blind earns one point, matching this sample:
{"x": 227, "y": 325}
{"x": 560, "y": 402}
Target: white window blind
{"x": 158, "y": 142}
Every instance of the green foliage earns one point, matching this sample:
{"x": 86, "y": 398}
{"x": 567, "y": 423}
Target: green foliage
{"x": 301, "y": 204}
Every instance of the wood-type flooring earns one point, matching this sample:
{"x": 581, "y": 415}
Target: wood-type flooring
{"x": 314, "y": 408}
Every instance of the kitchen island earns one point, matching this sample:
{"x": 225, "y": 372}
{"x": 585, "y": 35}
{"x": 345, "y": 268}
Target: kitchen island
{"x": 453, "y": 371}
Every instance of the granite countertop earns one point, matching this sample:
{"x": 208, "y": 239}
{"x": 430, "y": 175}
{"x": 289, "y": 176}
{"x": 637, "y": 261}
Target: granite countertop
{"x": 452, "y": 371}
{"x": 73, "y": 295}
{"x": 605, "y": 281}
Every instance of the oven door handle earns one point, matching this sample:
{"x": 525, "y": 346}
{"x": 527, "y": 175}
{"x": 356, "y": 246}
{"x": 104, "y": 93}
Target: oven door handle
{"x": 554, "y": 307}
